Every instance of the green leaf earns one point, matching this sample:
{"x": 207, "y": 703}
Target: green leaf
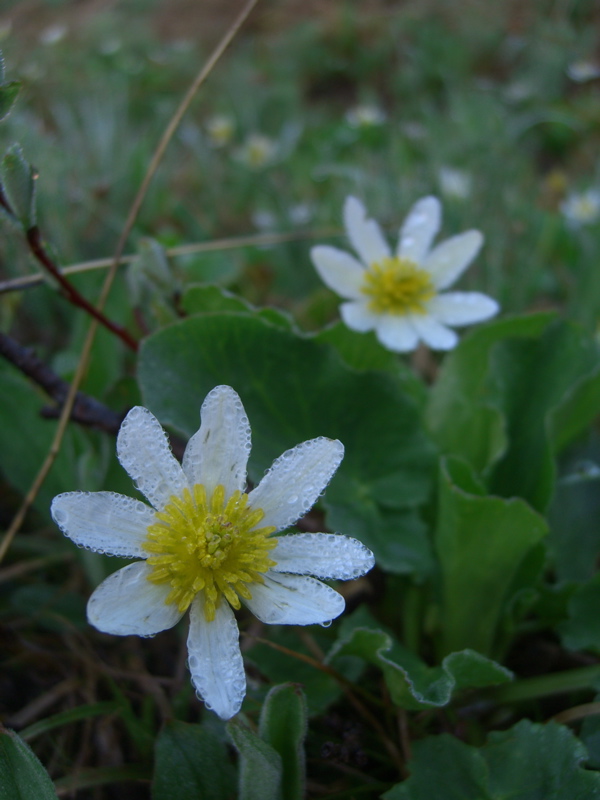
{"x": 67, "y": 718}
{"x": 412, "y": 684}
{"x": 295, "y": 389}
{"x": 548, "y": 388}
{"x": 201, "y": 298}
{"x": 581, "y": 630}
{"x": 283, "y": 725}
{"x": 8, "y": 96}
{"x": 191, "y": 762}
{"x": 482, "y": 543}
{"x": 18, "y": 179}
{"x": 527, "y": 762}
{"x": 22, "y": 777}
{"x": 260, "y": 765}
{"x": 463, "y": 418}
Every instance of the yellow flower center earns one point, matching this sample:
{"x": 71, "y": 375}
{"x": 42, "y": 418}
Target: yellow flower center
{"x": 201, "y": 544}
{"x": 397, "y": 286}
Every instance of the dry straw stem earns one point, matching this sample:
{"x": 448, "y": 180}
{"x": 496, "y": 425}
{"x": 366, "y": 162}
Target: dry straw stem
{"x": 215, "y": 245}
{"x": 89, "y": 341}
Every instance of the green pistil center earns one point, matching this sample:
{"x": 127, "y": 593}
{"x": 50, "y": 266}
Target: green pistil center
{"x": 206, "y": 544}
{"x": 397, "y": 286}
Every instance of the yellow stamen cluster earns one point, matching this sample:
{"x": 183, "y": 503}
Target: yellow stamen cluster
{"x": 397, "y": 286}
{"x": 207, "y": 544}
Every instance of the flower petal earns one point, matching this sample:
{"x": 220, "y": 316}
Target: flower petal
{"x": 419, "y": 228}
{"x": 218, "y": 452}
{"x": 325, "y": 555}
{"x": 127, "y": 603}
{"x": 291, "y": 486}
{"x": 358, "y": 317}
{"x": 448, "y": 260}
{"x": 433, "y": 333}
{"x": 462, "y": 308}
{"x": 294, "y": 600}
{"x": 215, "y": 660}
{"x": 104, "y": 521}
{"x": 338, "y": 270}
{"x": 396, "y": 333}
{"x": 144, "y": 450}
{"x": 365, "y": 234}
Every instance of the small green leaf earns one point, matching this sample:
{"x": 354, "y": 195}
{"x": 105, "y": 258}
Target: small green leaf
{"x": 8, "y": 96}
{"x": 22, "y": 777}
{"x": 412, "y": 684}
{"x": 260, "y": 765}
{"x": 283, "y": 725}
{"x": 67, "y": 718}
{"x": 18, "y": 179}
{"x": 202, "y": 298}
{"x": 482, "y": 543}
{"x": 527, "y": 762}
{"x": 191, "y": 762}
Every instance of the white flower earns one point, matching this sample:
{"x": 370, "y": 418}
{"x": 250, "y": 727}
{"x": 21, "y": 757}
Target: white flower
{"x": 399, "y": 294}
{"x": 455, "y": 183}
{"x": 206, "y": 544}
{"x": 365, "y": 116}
{"x": 257, "y": 151}
{"x": 583, "y": 70}
{"x": 53, "y": 34}
{"x": 582, "y": 208}
{"x": 220, "y": 130}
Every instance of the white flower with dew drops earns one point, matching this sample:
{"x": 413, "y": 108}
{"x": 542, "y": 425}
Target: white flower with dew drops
{"x": 400, "y": 295}
{"x": 205, "y": 544}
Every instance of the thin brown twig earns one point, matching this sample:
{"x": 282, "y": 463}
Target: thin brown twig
{"x": 89, "y": 341}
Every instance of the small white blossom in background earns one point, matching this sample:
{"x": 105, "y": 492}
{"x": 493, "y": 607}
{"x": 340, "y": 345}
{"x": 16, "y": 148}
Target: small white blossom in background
{"x": 455, "y": 183}
{"x": 53, "y": 34}
{"x": 400, "y": 295}
{"x": 581, "y": 208}
{"x": 365, "y": 116}
{"x": 220, "y": 130}
{"x": 257, "y": 151}
{"x": 206, "y": 545}
{"x": 583, "y": 70}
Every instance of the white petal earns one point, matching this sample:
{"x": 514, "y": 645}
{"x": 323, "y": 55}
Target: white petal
{"x": 218, "y": 452}
{"x": 104, "y": 521}
{"x": 396, "y": 333}
{"x": 419, "y": 228}
{"x": 290, "y": 488}
{"x": 294, "y": 600}
{"x": 462, "y": 308}
{"x": 127, "y": 603}
{"x": 215, "y": 660}
{"x": 449, "y": 259}
{"x": 144, "y": 451}
{"x": 325, "y": 555}
{"x": 338, "y": 270}
{"x": 364, "y": 234}
{"x": 358, "y": 317}
{"x": 433, "y": 333}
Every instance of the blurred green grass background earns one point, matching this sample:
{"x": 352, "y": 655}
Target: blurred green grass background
{"x": 482, "y": 105}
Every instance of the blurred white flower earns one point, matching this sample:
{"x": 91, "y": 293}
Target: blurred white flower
{"x": 414, "y": 131}
{"x": 220, "y": 130}
{"x": 583, "y": 70}
{"x": 581, "y": 208}
{"x": 205, "y": 544}
{"x": 257, "y": 151}
{"x": 455, "y": 182}
{"x": 399, "y": 295}
{"x": 365, "y": 116}
{"x": 53, "y": 34}
{"x": 264, "y": 220}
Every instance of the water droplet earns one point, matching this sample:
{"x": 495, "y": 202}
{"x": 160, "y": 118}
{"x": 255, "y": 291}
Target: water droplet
{"x": 293, "y": 498}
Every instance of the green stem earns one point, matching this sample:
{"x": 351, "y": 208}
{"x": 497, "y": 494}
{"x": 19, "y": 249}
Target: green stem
{"x": 543, "y": 685}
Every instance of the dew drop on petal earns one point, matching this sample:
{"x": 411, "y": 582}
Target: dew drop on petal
{"x": 293, "y": 498}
